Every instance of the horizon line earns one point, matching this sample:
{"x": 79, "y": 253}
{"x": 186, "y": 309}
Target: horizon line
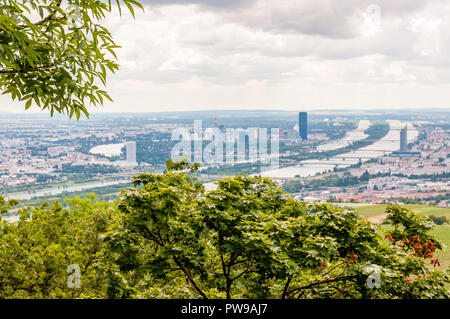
{"x": 300, "y": 109}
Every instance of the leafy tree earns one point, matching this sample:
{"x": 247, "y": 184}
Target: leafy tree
{"x": 165, "y": 226}
{"x": 169, "y": 238}
{"x": 55, "y": 53}
{"x": 246, "y": 239}
{"x": 38, "y": 249}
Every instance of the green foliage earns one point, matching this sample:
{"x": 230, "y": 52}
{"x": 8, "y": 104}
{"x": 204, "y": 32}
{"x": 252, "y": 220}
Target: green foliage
{"x": 37, "y": 249}
{"x": 438, "y": 220}
{"x": 159, "y": 226}
{"x": 169, "y": 238}
{"x": 5, "y": 204}
{"x": 58, "y": 61}
{"x": 247, "y": 240}
{"x": 407, "y": 225}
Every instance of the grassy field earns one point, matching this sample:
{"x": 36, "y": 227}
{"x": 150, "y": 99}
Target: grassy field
{"x": 376, "y": 213}
{"x": 378, "y": 210}
{"x": 443, "y": 233}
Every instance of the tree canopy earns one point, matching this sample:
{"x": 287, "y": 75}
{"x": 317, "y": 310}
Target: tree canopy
{"x": 169, "y": 238}
{"x": 56, "y": 54}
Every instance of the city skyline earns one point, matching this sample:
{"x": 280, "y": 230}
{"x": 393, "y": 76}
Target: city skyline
{"x": 41, "y": 154}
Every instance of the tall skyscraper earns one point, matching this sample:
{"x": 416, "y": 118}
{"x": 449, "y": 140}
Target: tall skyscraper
{"x": 242, "y": 142}
{"x": 303, "y": 125}
{"x": 131, "y": 152}
{"x": 404, "y": 139}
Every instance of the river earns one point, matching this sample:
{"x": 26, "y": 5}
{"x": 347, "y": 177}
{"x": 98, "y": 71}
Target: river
{"x": 108, "y": 149}
{"x": 59, "y": 190}
{"x": 388, "y": 144}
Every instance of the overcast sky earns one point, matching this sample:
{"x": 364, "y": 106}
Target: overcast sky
{"x": 280, "y": 54}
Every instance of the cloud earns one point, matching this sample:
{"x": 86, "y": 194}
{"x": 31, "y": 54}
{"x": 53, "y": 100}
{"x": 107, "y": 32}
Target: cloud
{"x": 206, "y": 3}
{"x": 327, "y": 18}
{"x": 280, "y": 40}
{"x": 215, "y": 53}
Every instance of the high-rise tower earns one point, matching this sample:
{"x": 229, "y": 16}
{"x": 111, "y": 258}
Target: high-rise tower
{"x": 404, "y": 139}
{"x": 303, "y": 125}
{"x": 131, "y": 152}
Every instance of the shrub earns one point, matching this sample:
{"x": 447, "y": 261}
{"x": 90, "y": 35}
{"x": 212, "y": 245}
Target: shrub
{"x": 438, "y": 220}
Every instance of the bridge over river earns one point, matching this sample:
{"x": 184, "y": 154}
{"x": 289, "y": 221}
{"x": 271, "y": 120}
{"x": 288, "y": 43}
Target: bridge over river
{"x": 388, "y": 144}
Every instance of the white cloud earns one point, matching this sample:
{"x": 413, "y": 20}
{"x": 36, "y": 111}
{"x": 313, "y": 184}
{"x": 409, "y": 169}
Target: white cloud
{"x": 282, "y": 53}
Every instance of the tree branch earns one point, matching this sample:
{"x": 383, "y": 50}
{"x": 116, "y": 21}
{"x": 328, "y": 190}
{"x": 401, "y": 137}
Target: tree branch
{"x": 247, "y": 271}
{"x": 190, "y": 278}
{"x": 286, "y": 286}
{"x": 50, "y": 17}
{"x": 290, "y": 292}
{"x": 340, "y": 264}
{"x": 227, "y": 277}
{"x": 37, "y": 69}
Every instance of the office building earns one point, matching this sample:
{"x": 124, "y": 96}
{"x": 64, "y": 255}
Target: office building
{"x": 303, "y": 125}
{"x": 404, "y": 139}
{"x": 131, "y": 152}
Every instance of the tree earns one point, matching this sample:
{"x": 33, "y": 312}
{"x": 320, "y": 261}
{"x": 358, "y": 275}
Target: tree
{"x": 247, "y": 240}
{"x": 58, "y": 60}
{"x": 48, "y": 243}
{"x": 169, "y": 238}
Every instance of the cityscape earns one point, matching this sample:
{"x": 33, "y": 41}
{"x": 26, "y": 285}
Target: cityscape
{"x": 224, "y": 158}
{"x": 333, "y": 157}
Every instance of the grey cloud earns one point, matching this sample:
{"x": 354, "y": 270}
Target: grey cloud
{"x": 207, "y": 3}
{"x": 326, "y": 18}
{"x": 279, "y": 43}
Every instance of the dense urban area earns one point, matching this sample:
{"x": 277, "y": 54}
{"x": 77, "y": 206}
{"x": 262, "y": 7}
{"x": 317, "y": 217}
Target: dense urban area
{"x": 325, "y": 157}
